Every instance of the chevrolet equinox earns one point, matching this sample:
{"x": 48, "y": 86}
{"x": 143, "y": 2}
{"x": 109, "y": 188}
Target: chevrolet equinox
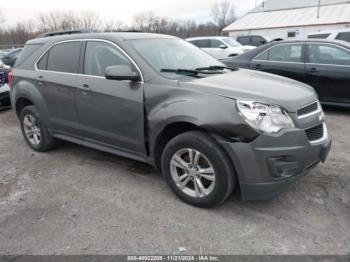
{"x": 153, "y": 98}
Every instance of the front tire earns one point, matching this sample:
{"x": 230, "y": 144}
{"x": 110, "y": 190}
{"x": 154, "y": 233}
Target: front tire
{"x": 34, "y": 130}
{"x": 197, "y": 169}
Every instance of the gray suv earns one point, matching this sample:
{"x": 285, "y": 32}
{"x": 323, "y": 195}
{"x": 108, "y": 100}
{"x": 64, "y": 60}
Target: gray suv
{"x": 209, "y": 128}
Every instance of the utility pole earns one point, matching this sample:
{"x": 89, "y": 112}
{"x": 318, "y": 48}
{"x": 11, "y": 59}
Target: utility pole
{"x": 318, "y": 9}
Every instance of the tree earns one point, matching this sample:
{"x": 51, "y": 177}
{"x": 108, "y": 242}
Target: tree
{"x": 223, "y": 14}
{"x": 58, "y": 20}
{"x": 145, "y": 21}
{"x": 89, "y": 20}
{"x": 114, "y": 26}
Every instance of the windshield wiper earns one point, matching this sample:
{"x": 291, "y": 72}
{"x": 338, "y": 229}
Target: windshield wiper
{"x": 187, "y": 72}
{"x": 216, "y": 67}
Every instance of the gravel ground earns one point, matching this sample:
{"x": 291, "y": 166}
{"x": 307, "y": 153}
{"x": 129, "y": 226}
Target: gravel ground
{"x": 75, "y": 200}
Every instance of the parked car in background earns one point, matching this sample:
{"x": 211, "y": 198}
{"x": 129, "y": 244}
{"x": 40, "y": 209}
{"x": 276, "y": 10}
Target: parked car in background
{"x": 3, "y": 52}
{"x": 339, "y": 34}
{"x": 4, "y": 88}
{"x": 219, "y": 47}
{"x": 159, "y": 99}
{"x": 323, "y": 64}
{"x": 253, "y": 40}
{"x": 11, "y": 57}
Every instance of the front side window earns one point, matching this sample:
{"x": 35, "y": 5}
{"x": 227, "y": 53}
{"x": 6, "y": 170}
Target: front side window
{"x": 64, "y": 57}
{"x": 328, "y": 55}
{"x": 216, "y": 43}
{"x": 100, "y": 55}
{"x": 282, "y": 53}
{"x": 257, "y": 41}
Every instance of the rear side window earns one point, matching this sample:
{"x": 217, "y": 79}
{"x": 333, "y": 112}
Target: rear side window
{"x": 319, "y": 36}
{"x": 216, "y": 43}
{"x": 100, "y": 55}
{"x": 27, "y": 51}
{"x": 344, "y": 36}
{"x": 64, "y": 57}
{"x": 42, "y": 64}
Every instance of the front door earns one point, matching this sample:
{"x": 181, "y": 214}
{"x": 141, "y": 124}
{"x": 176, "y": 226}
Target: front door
{"x": 110, "y": 112}
{"x": 328, "y": 71}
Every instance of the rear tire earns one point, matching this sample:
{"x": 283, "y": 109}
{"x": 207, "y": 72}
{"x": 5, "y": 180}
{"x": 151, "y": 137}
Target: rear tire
{"x": 34, "y": 130}
{"x": 198, "y": 170}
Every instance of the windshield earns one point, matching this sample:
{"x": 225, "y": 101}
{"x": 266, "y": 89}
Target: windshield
{"x": 172, "y": 54}
{"x": 230, "y": 41}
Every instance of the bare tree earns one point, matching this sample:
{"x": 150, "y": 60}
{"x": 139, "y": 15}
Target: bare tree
{"x": 58, "y": 20}
{"x": 223, "y": 14}
{"x": 114, "y": 26}
{"x": 89, "y": 20}
{"x": 145, "y": 21}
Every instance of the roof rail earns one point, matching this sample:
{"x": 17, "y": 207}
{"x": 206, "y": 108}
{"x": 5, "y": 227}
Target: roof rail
{"x": 66, "y": 32}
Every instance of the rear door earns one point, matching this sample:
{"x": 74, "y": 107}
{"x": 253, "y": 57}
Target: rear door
{"x": 328, "y": 71}
{"x": 56, "y": 78}
{"x": 282, "y": 59}
{"x": 111, "y": 112}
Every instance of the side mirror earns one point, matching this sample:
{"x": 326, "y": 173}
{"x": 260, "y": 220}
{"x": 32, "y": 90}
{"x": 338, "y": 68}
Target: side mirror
{"x": 121, "y": 72}
{"x": 223, "y": 46}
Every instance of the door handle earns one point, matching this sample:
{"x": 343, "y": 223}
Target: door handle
{"x": 40, "y": 79}
{"x": 313, "y": 70}
{"x": 85, "y": 88}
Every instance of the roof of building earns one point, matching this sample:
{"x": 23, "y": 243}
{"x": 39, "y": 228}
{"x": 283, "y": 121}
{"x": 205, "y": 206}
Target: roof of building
{"x": 274, "y": 16}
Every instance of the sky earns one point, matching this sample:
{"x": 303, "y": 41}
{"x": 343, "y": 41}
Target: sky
{"x": 24, "y": 10}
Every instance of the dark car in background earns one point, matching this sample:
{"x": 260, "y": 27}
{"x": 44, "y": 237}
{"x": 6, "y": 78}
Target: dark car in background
{"x": 10, "y": 58}
{"x": 323, "y": 64}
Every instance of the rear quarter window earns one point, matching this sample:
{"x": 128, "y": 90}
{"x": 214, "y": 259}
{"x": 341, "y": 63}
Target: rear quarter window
{"x": 27, "y": 52}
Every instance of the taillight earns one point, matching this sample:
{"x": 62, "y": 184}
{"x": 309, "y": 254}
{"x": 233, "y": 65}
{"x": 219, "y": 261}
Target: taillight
{"x": 10, "y": 76}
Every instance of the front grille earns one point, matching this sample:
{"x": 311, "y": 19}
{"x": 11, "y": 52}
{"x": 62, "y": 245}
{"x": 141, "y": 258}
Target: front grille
{"x": 315, "y": 133}
{"x": 307, "y": 109}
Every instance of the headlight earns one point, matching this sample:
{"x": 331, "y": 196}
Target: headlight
{"x": 267, "y": 118}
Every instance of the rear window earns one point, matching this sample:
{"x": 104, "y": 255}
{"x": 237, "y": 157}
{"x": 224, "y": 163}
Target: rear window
{"x": 344, "y": 36}
{"x": 64, "y": 57}
{"x": 27, "y": 51}
{"x": 319, "y": 36}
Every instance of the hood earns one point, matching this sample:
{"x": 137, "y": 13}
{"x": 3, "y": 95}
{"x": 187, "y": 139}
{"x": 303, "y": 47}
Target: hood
{"x": 248, "y": 47}
{"x": 257, "y": 86}
{"x": 236, "y": 50}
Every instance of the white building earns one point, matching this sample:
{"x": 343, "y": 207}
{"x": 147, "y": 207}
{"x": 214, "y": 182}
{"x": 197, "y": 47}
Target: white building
{"x": 292, "y": 19}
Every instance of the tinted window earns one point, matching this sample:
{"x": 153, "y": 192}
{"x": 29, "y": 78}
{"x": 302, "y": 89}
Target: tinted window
{"x": 282, "y": 53}
{"x": 326, "y": 54}
{"x": 204, "y": 43}
{"x": 244, "y": 40}
{"x": 216, "y": 43}
{"x": 100, "y": 55}
{"x": 257, "y": 41}
{"x": 344, "y": 36}
{"x": 64, "y": 57}
{"x": 319, "y": 36}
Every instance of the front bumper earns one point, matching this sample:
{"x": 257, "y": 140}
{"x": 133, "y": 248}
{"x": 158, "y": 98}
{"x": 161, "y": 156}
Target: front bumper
{"x": 269, "y": 164}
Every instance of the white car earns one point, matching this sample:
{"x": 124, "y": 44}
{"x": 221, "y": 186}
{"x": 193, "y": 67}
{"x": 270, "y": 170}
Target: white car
{"x": 220, "y": 47}
{"x": 339, "y": 34}
{"x": 4, "y": 88}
